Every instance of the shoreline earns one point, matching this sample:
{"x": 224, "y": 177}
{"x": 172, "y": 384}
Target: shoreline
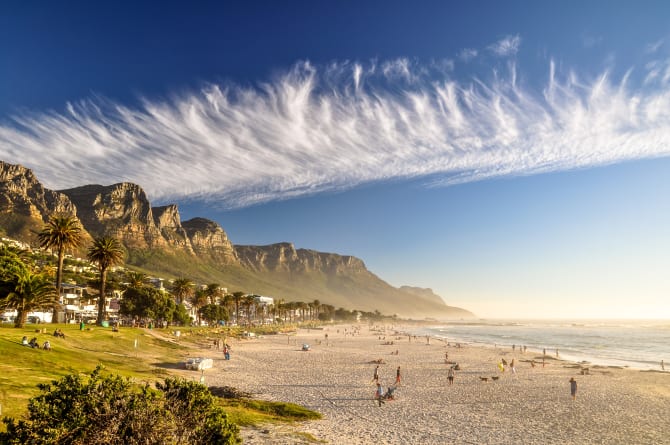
{"x": 613, "y": 405}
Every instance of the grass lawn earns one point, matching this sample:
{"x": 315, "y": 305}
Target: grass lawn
{"x": 144, "y": 356}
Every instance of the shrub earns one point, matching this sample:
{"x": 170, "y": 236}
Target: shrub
{"x": 110, "y": 409}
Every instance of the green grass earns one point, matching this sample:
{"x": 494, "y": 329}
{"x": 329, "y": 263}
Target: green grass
{"x": 247, "y": 412}
{"x": 23, "y": 368}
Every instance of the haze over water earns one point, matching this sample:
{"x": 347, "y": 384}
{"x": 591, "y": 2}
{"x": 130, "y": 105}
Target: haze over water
{"x": 633, "y": 343}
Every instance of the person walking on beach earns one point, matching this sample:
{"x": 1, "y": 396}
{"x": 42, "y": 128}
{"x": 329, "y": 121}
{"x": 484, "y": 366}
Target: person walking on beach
{"x": 397, "y": 376}
{"x": 573, "y": 387}
{"x": 375, "y": 376}
{"x": 379, "y": 394}
{"x": 511, "y": 366}
{"x": 662, "y": 366}
{"x": 450, "y": 376}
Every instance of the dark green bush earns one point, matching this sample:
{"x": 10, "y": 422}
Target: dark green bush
{"x": 109, "y": 409}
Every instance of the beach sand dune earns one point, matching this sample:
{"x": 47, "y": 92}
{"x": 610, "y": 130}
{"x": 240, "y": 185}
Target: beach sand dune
{"x": 533, "y": 406}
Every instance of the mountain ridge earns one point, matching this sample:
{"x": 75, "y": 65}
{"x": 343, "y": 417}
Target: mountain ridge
{"x": 158, "y": 241}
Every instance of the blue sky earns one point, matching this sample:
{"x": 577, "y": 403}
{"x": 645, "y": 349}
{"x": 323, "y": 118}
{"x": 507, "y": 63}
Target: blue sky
{"x": 512, "y": 156}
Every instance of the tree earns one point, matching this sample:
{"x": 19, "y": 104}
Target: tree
{"x": 213, "y": 313}
{"x": 136, "y": 279}
{"x": 214, "y": 293}
{"x": 182, "y": 289}
{"x": 248, "y": 301}
{"x": 198, "y": 300}
{"x": 181, "y": 315}
{"x": 28, "y": 292}
{"x": 147, "y": 302}
{"x": 110, "y": 409}
{"x": 61, "y": 232}
{"x": 237, "y": 297}
{"x": 105, "y": 252}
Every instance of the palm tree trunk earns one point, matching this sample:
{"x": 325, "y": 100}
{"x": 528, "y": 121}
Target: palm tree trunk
{"x": 101, "y": 297}
{"x": 59, "y": 282}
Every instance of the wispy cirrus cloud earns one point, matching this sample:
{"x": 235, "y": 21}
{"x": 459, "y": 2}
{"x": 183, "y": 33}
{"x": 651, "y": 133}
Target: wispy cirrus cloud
{"x": 323, "y": 129}
{"x": 507, "y": 46}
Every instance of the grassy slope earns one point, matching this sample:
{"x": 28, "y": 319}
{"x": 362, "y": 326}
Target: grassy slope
{"x": 362, "y": 291}
{"x": 155, "y": 358}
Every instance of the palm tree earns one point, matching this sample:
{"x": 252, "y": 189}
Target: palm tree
{"x": 61, "y": 232}
{"x": 214, "y": 293}
{"x": 105, "y": 252}
{"x": 248, "y": 301}
{"x": 182, "y": 289}
{"x": 237, "y": 296}
{"x": 198, "y": 300}
{"x": 31, "y": 292}
{"x": 136, "y": 280}
{"x": 316, "y": 304}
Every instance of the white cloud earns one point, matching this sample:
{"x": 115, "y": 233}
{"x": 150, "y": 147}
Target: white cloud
{"x": 467, "y": 54}
{"x": 654, "y": 47}
{"x": 323, "y": 129}
{"x": 507, "y": 46}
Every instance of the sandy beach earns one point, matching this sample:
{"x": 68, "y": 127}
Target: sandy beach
{"x": 531, "y": 406}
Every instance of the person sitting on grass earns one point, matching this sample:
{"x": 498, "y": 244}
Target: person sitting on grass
{"x": 46, "y": 346}
{"x": 33, "y": 343}
{"x": 24, "y": 341}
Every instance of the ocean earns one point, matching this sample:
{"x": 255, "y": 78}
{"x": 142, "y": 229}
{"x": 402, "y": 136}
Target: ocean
{"x": 640, "y": 344}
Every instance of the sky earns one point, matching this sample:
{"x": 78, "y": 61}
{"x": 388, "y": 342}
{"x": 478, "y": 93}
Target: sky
{"x": 512, "y": 156}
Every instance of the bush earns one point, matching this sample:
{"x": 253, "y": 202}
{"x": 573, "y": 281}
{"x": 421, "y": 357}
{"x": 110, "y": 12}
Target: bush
{"x": 110, "y": 409}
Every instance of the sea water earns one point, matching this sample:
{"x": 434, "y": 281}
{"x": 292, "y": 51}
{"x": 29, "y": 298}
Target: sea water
{"x": 637, "y": 344}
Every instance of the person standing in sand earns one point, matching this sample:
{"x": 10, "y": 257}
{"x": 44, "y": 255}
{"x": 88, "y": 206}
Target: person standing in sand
{"x": 450, "y": 376}
{"x": 379, "y": 394}
{"x": 573, "y": 387}
{"x": 662, "y": 366}
{"x": 375, "y": 376}
{"x": 397, "y": 376}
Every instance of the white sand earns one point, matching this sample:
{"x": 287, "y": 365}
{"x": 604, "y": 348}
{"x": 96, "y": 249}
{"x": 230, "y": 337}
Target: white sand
{"x": 613, "y": 406}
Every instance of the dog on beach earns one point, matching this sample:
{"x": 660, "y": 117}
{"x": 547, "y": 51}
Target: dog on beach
{"x": 484, "y": 379}
{"x": 495, "y": 377}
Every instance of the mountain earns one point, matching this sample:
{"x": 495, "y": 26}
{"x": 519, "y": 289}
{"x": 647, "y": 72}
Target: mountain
{"x": 159, "y": 243}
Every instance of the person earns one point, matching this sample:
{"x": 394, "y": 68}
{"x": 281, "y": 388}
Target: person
{"x": 662, "y": 366}
{"x": 375, "y": 376}
{"x": 511, "y": 366}
{"x": 46, "y": 346}
{"x": 397, "y": 376}
{"x": 389, "y": 393}
{"x": 450, "y": 376}
{"x": 226, "y": 352}
{"x": 24, "y": 341}
{"x": 573, "y": 387}
{"x": 33, "y": 343}
{"x": 379, "y": 394}
{"x": 532, "y": 363}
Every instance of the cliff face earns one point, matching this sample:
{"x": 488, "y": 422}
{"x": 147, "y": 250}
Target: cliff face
{"x": 120, "y": 210}
{"x": 157, "y": 240}
{"x": 208, "y": 239}
{"x": 124, "y": 211}
{"x": 25, "y": 205}
{"x": 283, "y": 257}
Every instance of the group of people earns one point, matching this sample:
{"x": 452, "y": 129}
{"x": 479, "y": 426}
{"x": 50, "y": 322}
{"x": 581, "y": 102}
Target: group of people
{"x": 33, "y": 343}
{"x": 380, "y": 395}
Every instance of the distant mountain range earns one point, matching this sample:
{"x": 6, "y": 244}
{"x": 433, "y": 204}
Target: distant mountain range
{"x": 159, "y": 243}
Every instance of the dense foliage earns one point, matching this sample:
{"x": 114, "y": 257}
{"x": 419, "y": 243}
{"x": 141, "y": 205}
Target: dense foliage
{"x": 147, "y": 303}
{"x": 109, "y": 409}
